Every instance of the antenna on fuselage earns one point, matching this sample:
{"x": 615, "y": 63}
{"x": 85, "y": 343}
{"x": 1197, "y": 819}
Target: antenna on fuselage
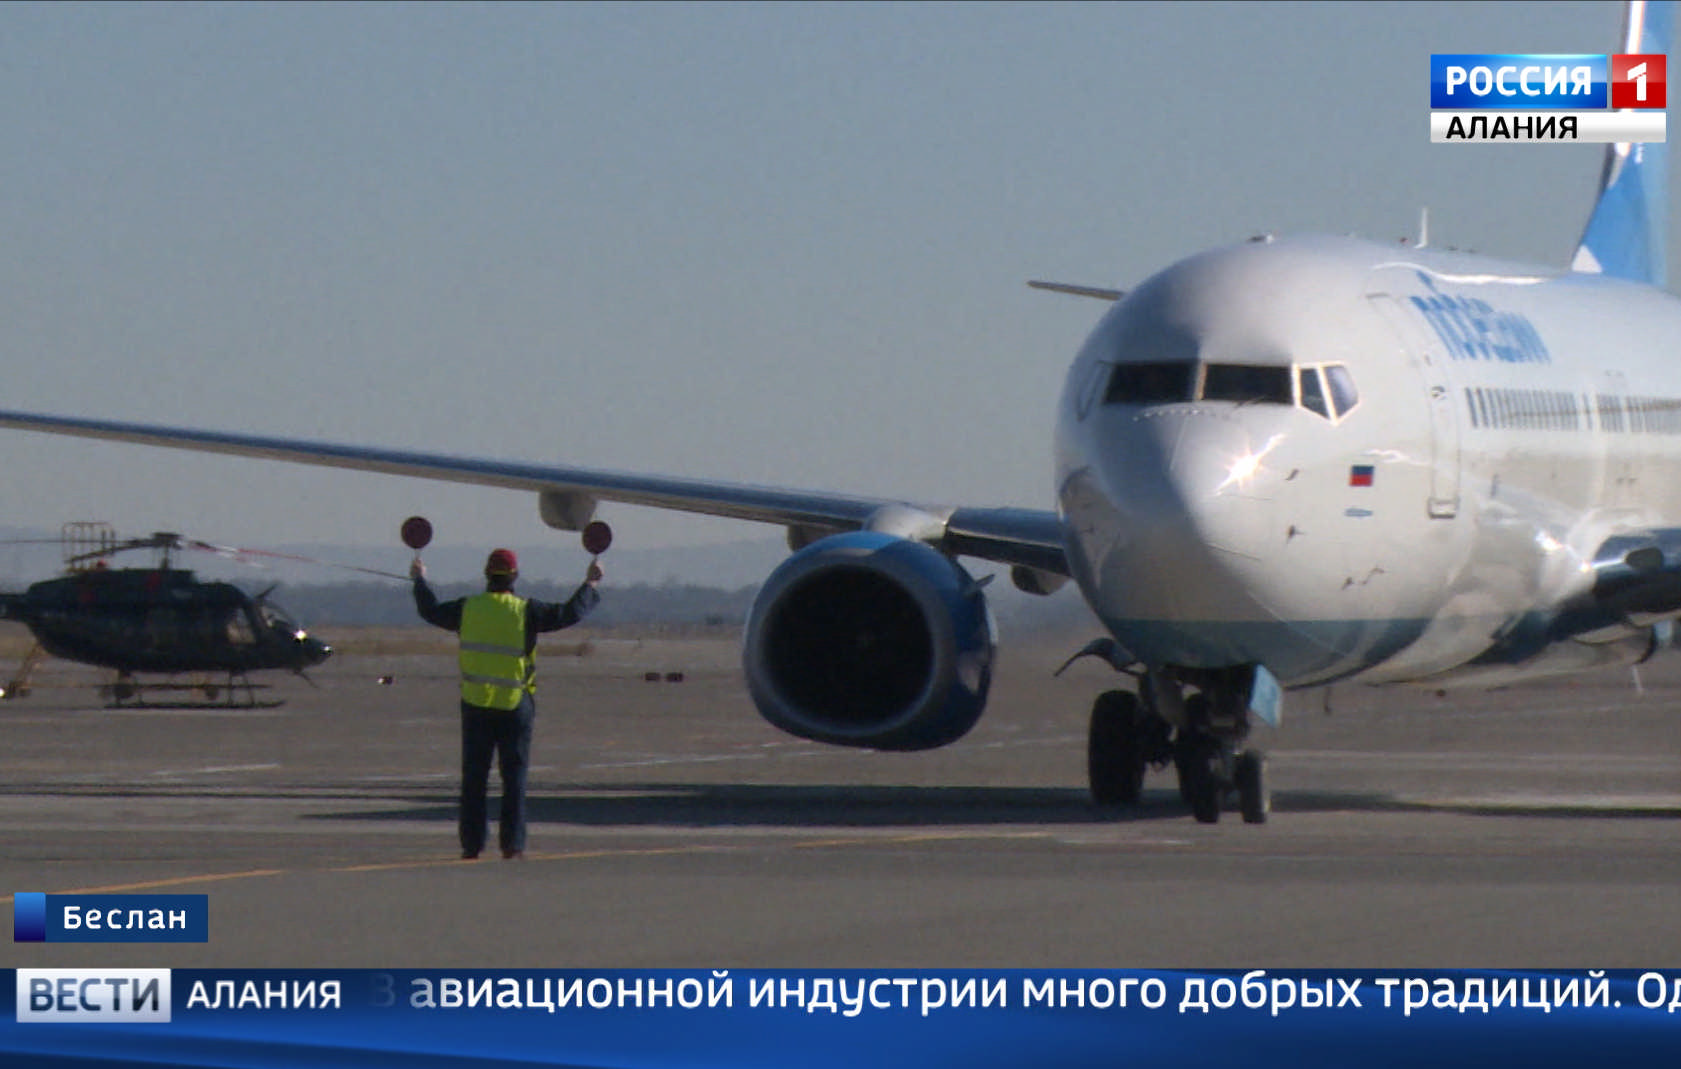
{"x": 1423, "y": 227}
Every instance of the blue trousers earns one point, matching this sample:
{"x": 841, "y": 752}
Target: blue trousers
{"x": 507, "y": 735}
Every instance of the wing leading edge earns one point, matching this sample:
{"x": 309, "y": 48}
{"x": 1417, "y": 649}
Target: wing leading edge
{"x": 1026, "y": 537}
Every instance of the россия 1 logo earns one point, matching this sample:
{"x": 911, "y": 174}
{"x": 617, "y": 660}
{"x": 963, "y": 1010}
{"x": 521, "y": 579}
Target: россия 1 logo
{"x": 1548, "y": 98}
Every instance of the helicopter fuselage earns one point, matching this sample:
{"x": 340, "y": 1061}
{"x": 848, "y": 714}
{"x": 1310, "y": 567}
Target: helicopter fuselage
{"x": 160, "y": 620}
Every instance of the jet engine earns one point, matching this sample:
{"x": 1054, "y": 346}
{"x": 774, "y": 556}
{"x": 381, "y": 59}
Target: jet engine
{"x": 866, "y": 639}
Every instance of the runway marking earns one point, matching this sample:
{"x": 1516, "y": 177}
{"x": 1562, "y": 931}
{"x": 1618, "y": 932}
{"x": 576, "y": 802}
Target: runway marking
{"x": 241, "y": 712}
{"x": 174, "y": 882}
{"x": 917, "y": 837}
{"x": 680, "y": 759}
{"x": 1609, "y": 804}
{"x": 565, "y": 855}
{"x": 569, "y": 855}
{"x": 659, "y": 760}
{"x": 213, "y": 770}
{"x": 695, "y": 848}
{"x": 1476, "y": 760}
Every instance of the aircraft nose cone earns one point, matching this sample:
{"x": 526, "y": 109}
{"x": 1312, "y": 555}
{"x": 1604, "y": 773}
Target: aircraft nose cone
{"x": 1226, "y": 486}
{"x": 1172, "y": 523}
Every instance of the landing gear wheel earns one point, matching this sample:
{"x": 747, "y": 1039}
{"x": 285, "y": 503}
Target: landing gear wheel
{"x": 1114, "y": 749}
{"x": 1249, "y": 775}
{"x": 1195, "y": 757}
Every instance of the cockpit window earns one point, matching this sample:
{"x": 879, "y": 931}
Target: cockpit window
{"x": 1161, "y": 383}
{"x": 1247, "y": 383}
{"x": 275, "y": 618}
{"x": 1313, "y": 394}
{"x": 1343, "y": 394}
{"x": 1327, "y": 390}
{"x": 239, "y": 629}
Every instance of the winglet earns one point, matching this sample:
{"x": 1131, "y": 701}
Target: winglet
{"x": 1627, "y": 234}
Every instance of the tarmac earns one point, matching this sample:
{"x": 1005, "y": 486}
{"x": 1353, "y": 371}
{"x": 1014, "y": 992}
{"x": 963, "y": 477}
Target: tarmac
{"x": 671, "y": 827}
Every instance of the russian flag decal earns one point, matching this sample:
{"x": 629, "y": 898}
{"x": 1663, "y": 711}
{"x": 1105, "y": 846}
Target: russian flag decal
{"x": 1360, "y": 475}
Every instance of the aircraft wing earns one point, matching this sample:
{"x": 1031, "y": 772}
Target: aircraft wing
{"x": 1027, "y": 537}
{"x": 1632, "y": 580}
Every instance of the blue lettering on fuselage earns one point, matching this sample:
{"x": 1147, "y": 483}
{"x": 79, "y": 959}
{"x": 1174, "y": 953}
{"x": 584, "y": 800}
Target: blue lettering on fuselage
{"x": 1472, "y": 329}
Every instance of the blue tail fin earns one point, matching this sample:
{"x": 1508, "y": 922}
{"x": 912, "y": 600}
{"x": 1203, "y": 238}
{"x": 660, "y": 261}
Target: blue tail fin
{"x": 1628, "y": 233}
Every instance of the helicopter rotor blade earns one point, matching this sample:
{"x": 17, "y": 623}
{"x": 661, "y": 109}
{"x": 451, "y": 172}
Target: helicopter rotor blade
{"x": 256, "y": 557}
{"x": 168, "y": 541}
{"x": 276, "y": 555}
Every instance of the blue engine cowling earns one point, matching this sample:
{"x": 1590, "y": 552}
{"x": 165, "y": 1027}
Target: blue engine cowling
{"x": 866, "y": 639}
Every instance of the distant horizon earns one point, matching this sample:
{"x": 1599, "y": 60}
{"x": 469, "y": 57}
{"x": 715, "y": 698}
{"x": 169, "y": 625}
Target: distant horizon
{"x": 731, "y": 564}
{"x": 727, "y": 568}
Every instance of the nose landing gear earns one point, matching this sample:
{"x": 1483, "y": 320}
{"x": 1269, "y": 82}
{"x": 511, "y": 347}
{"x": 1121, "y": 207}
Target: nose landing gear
{"x": 1203, "y": 736}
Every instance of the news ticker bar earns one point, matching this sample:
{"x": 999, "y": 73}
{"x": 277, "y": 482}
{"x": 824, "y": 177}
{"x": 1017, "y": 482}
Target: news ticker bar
{"x": 44, "y": 918}
{"x": 833, "y": 1019}
{"x": 158, "y": 995}
{"x": 1548, "y": 128}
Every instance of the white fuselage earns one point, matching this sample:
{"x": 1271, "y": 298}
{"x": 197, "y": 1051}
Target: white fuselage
{"x": 1341, "y": 459}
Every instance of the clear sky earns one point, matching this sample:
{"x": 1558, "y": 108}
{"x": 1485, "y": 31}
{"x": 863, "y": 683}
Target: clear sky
{"x": 775, "y": 243}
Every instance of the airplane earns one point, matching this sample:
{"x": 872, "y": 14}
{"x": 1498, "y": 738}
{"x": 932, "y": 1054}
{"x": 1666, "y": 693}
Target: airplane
{"x": 158, "y": 620}
{"x": 1281, "y": 464}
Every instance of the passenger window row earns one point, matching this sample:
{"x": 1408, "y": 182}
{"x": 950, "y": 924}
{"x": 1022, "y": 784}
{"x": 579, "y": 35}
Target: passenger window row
{"x": 1558, "y": 410}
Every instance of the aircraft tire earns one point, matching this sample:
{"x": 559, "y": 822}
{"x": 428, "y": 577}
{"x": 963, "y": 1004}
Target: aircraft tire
{"x": 1249, "y": 774}
{"x": 1196, "y": 712}
{"x": 1194, "y": 755}
{"x": 1114, "y": 749}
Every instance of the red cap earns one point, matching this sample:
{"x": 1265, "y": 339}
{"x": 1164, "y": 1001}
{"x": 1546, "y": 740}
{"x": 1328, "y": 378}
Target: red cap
{"x": 501, "y": 562}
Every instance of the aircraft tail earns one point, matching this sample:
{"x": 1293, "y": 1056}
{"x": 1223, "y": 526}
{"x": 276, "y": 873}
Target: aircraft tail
{"x": 1628, "y": 233}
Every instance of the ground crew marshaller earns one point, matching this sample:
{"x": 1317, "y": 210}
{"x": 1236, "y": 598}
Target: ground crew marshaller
{"x": 498, "y": 632}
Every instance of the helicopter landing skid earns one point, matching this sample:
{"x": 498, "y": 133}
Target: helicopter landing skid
{"x": 238, "y": 692}
{"x": 20, "y": 685}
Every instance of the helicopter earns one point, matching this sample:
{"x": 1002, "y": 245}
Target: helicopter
{"x": 160, "y": 620}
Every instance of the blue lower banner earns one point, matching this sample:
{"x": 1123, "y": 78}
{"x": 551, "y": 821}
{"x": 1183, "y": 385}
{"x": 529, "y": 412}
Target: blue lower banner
{"x": 89, "y": 1017}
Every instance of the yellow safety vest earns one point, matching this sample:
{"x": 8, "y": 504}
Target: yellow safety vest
{"x": 496, "y": 672}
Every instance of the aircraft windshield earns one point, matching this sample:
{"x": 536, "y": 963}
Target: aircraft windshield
{"x": 1163, "y": 383}
{"x": 1342, "y": 388}
{"x": 1327, "y": 390}
{"x": 276, "y": 618}
{"x": 1247, "y": 383}
{"x": 1313, "y": 393}
{"x": 1170, "y": 382}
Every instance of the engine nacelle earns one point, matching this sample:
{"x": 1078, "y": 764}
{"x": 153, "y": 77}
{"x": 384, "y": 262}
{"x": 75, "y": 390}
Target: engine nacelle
{"x": 865, "y": 639}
